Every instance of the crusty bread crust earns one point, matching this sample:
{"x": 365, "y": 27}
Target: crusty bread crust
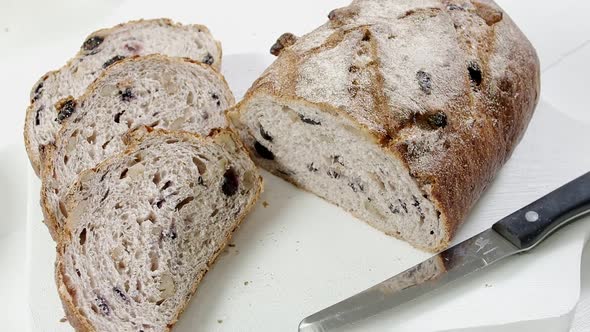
{"x": 483, "y": 80}
{"x": 75, "y": 317}
{"x": 48, "y": 151}
{"x": 32, "y": 151}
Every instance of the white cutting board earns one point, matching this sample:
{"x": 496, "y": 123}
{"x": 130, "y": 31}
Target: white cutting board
{"x": 301, "y": 254}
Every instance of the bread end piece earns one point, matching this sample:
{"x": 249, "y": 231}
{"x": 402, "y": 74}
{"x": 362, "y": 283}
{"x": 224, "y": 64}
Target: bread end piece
{"x": 200, "y": 212}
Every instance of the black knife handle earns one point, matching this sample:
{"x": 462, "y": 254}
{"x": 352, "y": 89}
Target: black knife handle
{"x": 530, "y": 225}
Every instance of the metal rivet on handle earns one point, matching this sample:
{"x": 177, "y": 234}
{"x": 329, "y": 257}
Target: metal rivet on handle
{"x": 531, "y": 216}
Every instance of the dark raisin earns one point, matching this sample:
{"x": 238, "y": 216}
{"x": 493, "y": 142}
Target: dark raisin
{"x": 133, "y": 47}
{"x": 65, "y": 109}
{"x": 337, "y": 160}
{"x": 103, "y": 176}
{"x": 118, "y": 116}
{"x": 171, "y": 233}
{"x": 415, "y": 203}
{"x": 454, "y": 7}
{"x": 309, "y": 121}
{"x": 37, "y": 113}
{"x": 333, "y": 174}
{"x": 106, "y": 194}
{"x": 231, "y": 182}
{"x": 312, "y": 168}
{"x": 184, "y": 202}
{"x": 92, "y": 43}
{"x": 356, "y": 187}
{"x": 431, "y": 232}
{"x": 200, "y": 181}
{"x": 475, "y": 74}
{"x": 424, "y": 81}
{"x": 404, "y": 206}
{"x": 166, "y": 185}
{"x": 103, "y": 305}
{"x": 126, "y": 95}
{"x": 265, "y": 134}
{"x": 394, "y": 209}
{"x": 104, "y": 145}
{"x": 263, "y": 151}
{"x": 285, "y": 40}
{"x": 366, "y": 36}
{"x": 120, "y": 293}
{"x": 332, "y": 14}
{"x": 82, "y": 237}
{"x": 112, "y": 60}
{"x": 438, "y": 120}
{"x": 208, "y": 59}
{"x": 216, "y": 97}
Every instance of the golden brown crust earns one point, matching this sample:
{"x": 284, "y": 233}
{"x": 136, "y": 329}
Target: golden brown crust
{"x": 74, "y": 317}
{"x": 77, "y": 319}
{"x": 452, "y": 118}
{"x": 45, "y": 173}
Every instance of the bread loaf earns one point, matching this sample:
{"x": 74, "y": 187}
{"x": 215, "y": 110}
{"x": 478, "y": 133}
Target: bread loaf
{"x": 100, "y": 50}
{"x": 399, "y": 111}
{"x": 154, "y": 90}
{"x": 144, "y": 226}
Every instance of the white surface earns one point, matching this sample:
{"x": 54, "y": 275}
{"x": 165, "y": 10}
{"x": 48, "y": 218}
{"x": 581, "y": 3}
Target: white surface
{"x": 290, "y": 279}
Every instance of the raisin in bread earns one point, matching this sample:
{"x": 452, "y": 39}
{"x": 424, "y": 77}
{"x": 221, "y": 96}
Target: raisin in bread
{"x": 399, "y": 111}
{"x": 144, "y": 227}
{"x": 154, "y": 90}
{"x": 100, "y": 50}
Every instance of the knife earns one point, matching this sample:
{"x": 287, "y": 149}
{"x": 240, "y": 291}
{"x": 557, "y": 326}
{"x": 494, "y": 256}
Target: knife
{"x": 516, "y": 233}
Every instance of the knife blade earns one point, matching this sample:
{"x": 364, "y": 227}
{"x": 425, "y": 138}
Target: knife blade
{"x": 516, "y": 233}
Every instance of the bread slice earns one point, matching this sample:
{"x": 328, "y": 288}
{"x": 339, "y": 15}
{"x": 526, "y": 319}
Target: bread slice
{"x": 100, "y": 50}
{"x": 144, "y": 227}
{"x": 400, "y": 112}
{"x": 154, "y": 90}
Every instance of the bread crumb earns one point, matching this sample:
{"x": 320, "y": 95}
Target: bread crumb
{"x": 63, "y": 320}
{"x": 231, "y": 245}
{"x": 488, "y": 285}
{"x": 265, "y": 204}
{"x": 220, "y": 321}
{"x": 246, "y": 283}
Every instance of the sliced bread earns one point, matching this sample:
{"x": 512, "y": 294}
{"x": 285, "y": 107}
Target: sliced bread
{"x": 100, "y": 50}
{"x": 400, "y": 112}
{"x": 154, "y": 90}
{"x": 144, "y": 227}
